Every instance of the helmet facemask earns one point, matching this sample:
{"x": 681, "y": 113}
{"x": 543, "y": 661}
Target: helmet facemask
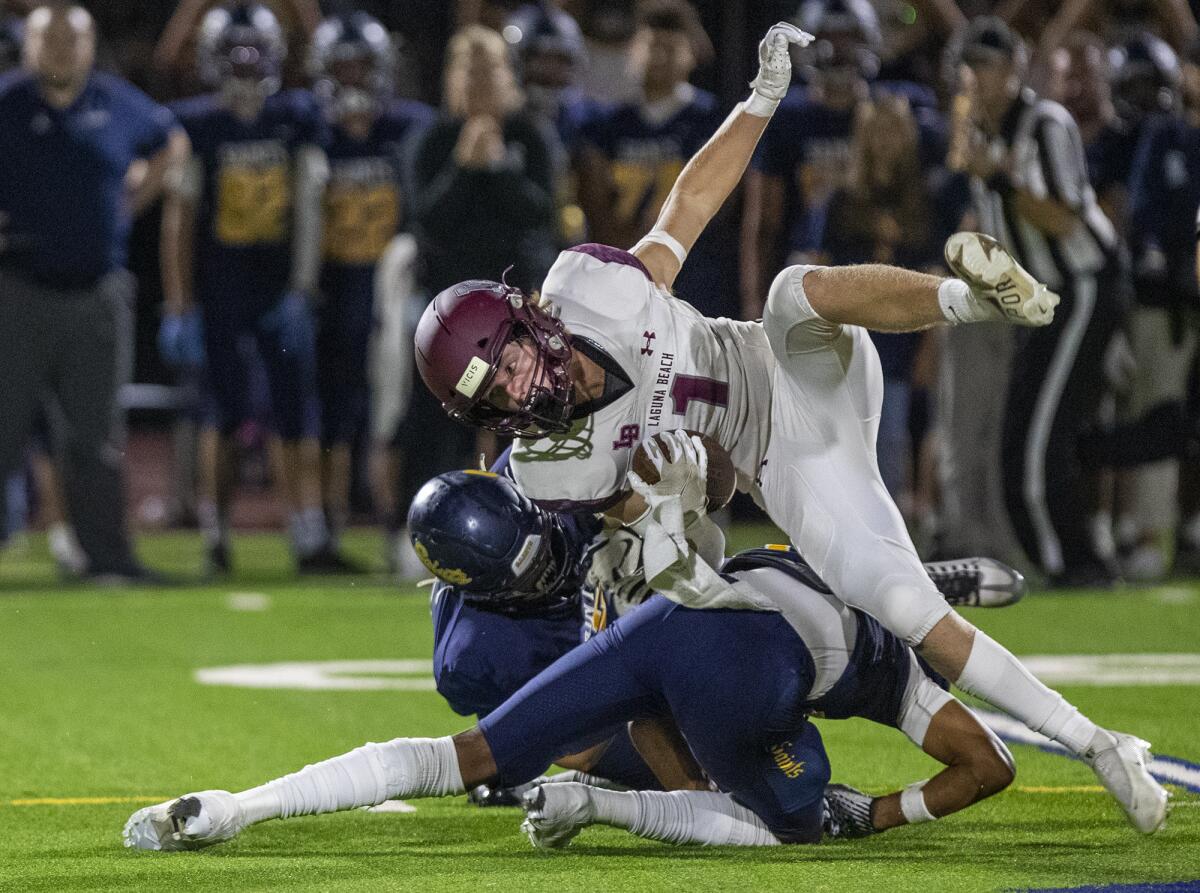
{"x": 546, "y": 407}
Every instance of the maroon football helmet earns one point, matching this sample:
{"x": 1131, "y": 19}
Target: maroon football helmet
{"x": 458, "y": 343}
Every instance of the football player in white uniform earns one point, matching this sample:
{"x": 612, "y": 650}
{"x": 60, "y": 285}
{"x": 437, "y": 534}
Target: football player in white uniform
{"x": 605, "y": 357}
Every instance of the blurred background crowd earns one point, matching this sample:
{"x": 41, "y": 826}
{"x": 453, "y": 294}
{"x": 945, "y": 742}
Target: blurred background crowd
{"x": 309, "y": 174}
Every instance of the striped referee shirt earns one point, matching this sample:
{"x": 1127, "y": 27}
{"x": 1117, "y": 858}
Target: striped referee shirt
{"x": 1048, "y": 162}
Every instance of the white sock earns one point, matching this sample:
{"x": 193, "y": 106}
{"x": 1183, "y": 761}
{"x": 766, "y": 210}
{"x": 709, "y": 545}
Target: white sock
{"x": 366, "y": 776}
{"x": 308, "y": 531}
{"x": 995, "y": 675}
{"x": 959, "y": 304}
{"x": 213, "y": 526}
{"x": 702, "y": 817}
{"x": 65, "y": 548}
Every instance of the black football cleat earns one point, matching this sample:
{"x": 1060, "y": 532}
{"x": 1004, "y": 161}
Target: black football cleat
{"x": 846, "y": 813}
{"x": 977, "y": 582}
{"x": 327, "y": 561}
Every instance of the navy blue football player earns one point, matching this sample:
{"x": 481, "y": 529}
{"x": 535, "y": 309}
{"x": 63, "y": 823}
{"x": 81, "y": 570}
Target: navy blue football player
{"x": 739, "y": 686}
{"x": 241, "y": 250}
{"x": 352, "y": 63}
{"x": 631, "y": 154}
{"x": 508, "y": 602}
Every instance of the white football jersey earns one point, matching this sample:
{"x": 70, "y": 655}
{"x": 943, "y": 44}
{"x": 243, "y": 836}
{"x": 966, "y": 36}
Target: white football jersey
{"x": 688, "y": 371}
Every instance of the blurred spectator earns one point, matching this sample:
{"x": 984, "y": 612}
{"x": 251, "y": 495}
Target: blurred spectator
{"x": 483, "y": 173}
{"x": 549, "y": 52}
{"x": 631, "y": 154}
{"x": 241, "y": 233}
{"x": 608, "y": 75}
{"x": 482, "y": 189}
{"x": 882, "y": 215}
{"x": 805, "y": 151}
{"x": 65, "y": 299}
{"x": 352, "y": 62}
{"x": 1164, "y": 193}
{"x": 1032, "y": 193}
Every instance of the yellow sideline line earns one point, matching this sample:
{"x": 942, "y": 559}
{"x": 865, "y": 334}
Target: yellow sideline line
{"x": 82, "y": 801}
{"x": 1059, "y": 789}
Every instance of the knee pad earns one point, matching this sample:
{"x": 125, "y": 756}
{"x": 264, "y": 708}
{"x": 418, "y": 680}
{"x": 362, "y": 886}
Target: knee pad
{"x": 788, "y": 314}
{"x": 907, "y": 607}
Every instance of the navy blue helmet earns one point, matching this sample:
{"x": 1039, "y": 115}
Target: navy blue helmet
{"x": 476, "y": 531}
{"x": 241, "y": 44}
{"x": 1146, "y": 76}
{"x": 352, "y": 63}
{"x": 848, "y": 39}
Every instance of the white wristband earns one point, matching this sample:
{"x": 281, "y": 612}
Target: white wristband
{"x": 759, "y": 105}
{"x": 668, "y": 241}
{"x": 912, "y": 804}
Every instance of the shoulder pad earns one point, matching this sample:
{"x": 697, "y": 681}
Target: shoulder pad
{"x": 783, "y": 558}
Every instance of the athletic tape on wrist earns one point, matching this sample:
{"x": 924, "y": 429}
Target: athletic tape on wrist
{"x": 912, "y": 804}
{"x": 759, "y": 105}
{"x": 668, "y": 241}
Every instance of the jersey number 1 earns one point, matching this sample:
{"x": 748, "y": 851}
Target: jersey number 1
{"x": 693, "y": 387}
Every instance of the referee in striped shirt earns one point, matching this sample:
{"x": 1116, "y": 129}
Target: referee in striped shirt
{"x": 1030, "y": 190}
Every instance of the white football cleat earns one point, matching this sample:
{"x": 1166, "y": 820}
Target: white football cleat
{"x": 1122, "y": 770}
{"x": 555, "y": 813}
{"x": 977, "y": 582}
{"x": 994, "y": 274}
{"x": 192, "y": 822}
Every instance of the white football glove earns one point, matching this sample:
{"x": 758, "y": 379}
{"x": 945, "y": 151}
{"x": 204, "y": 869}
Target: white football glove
{"x": 682, "y": 547}
{"x": 682, "y": 472}
{"x": 775, "y": 66}
{"x": 616, "y": 569}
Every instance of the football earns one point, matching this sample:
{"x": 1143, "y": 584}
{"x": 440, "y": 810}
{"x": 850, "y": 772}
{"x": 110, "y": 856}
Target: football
{"x": 722, "y": 479}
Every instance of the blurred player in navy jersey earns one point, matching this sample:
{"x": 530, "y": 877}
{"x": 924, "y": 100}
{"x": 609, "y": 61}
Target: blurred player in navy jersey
{"x": 352, "y": 63}
{"x": 804, "y": 154}
{"x": 631, "y": 154}
{"x": 241, "y": 254}
{"x": 549, "y": 51}
{"x": 83, "y": 153}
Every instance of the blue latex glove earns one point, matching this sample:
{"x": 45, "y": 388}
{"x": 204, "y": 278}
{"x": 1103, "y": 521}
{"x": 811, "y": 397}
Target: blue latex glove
{"x": 291, "y": 321}
{"x": 181, "y": 340}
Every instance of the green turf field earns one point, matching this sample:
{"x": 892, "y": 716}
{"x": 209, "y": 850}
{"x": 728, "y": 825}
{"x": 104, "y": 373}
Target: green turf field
{"x": 100, "y": 713}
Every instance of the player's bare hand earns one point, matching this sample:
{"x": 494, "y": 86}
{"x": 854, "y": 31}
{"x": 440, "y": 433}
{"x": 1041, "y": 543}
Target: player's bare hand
{"x": 775, "y": 60}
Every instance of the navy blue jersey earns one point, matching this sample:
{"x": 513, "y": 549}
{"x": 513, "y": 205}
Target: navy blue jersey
{"x": 481, "y": 657}
{"x": 1164, "y": 194}
{"x": 364, "y": 206}
{"x": 243, "y": 233}
{"x": 807, "y": 146}
{"x": 646, "y": 158}
{"x": 62, "y": 179}
{"x": 1110, "y": 156}
{"x": 737, "y": 683}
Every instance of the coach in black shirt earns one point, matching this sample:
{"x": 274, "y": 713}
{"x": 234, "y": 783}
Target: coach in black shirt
{"x": 1031, "y": 191}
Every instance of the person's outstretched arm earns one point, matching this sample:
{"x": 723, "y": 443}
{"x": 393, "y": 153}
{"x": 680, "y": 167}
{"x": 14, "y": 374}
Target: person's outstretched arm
{"x": 709, "y": 178}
